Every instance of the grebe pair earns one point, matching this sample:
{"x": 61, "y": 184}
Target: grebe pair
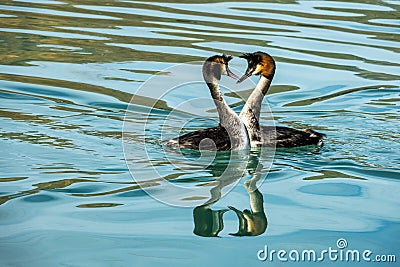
{"x": 243, "y": 130}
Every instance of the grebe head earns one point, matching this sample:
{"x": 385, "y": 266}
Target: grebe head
{"x": 216, "y": 66}
{"x": 258, "y": 63}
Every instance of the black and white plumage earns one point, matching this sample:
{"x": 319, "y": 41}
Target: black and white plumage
{"x": 260, "y": 63}
{"x": 279, "y": 136}
{"x": 243, "y": 131}
{"x": 232, "y": 133}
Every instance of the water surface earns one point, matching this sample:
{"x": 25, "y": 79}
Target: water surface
{"x": 69, "y": 69}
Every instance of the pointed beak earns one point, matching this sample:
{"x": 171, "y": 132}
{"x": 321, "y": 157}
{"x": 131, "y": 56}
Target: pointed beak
{"x": 230, "y": 73}
{"x": 247, "y": 74}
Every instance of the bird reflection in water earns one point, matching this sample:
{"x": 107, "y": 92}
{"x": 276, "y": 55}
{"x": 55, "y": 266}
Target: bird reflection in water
{"x": 209, "y": 222}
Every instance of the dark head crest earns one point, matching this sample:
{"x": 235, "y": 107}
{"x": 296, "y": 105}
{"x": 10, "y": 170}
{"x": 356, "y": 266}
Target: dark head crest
{"x": 222, "y": 59}
{"x": 252, "y": 57}
{"x": 226, "y": 58}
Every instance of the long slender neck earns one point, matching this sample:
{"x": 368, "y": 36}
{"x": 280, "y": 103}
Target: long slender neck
{"x": 250, "y": 114}
{"x": 229, "y": 119}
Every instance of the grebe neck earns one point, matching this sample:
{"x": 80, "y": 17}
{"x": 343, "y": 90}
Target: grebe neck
{"x": 250, "y": 114}
{"x": 229, "y": 119}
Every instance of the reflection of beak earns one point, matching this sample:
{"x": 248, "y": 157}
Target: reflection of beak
{"x": 230, "y": 73}
{"x": 248, "y": 73}
{"x": 243, "y": 223}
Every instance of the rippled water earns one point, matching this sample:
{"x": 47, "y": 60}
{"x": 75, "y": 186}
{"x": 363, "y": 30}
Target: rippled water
{"x": 68, "y": 70}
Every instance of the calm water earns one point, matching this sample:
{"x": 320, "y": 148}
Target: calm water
{"x": 68, "y": 70}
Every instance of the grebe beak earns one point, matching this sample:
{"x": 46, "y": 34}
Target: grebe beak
{"x": 230, "y": 73}
{"x": 247, "y": 74}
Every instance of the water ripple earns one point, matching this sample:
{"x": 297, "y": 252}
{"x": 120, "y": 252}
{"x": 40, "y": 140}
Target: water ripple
{"x": 69, "y": 69}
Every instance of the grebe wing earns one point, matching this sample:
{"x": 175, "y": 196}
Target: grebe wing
{"x": 218, "y": 135}
{"x": 289, "y": 137}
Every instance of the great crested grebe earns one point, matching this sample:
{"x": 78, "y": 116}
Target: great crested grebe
{"x": 244, "y": 129}
{"x": 231, "y": 132}
{"x": 260, "y": 63}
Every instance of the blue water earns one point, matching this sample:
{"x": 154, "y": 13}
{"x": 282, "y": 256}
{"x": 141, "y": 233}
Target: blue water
{"x": 86, "y": 182}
